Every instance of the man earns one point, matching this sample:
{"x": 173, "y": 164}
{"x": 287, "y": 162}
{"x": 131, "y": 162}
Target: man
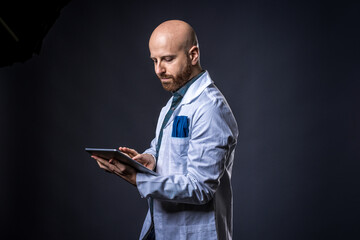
{"x": 193, "y": 149}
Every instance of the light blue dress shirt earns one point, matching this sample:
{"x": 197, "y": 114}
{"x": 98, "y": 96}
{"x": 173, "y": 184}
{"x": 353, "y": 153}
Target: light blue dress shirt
{"x": 192, "y": 196}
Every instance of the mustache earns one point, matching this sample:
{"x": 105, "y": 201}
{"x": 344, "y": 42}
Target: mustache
{"x": 165, "y": 76}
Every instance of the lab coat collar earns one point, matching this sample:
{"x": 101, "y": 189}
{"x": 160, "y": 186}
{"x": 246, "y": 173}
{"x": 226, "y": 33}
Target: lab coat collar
{"x": 196, "y": 88}
{"x": 192, "y": 93}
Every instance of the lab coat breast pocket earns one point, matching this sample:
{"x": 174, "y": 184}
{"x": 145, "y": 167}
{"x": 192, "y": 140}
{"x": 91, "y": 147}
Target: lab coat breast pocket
{"x": 178, "y": 156}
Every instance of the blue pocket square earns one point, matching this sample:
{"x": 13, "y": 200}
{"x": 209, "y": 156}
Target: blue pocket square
{"x": 180, "y": 127}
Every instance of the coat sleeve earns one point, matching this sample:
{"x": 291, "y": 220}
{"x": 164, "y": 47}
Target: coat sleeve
{"x": 213, "y": 137}
{"x": 152, "y": 149}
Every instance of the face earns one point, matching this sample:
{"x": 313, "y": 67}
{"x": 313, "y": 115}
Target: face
{"x": 172, "y": 64}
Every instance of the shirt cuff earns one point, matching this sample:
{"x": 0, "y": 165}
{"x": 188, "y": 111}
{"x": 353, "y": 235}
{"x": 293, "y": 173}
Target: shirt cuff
{"x": 140, "y": 179}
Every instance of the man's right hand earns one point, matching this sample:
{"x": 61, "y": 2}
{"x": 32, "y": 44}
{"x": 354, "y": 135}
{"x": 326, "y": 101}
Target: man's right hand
{"x": 145, "y": 159}
{"x": 129, "y": 151}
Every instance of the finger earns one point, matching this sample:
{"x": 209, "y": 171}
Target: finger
{"x": 121, "y": 169}
{"x": 147, "y": 160}
{"x": 137, "y": 157}
{"x": 129, "y": 151}
{"x": 142, "y": 158}
{"x": 114, "y": 161}
{"x": 99, "y": 159}
{"x": 126, "y": 154}
{"x": 102, "y": 166}
{"x": 124, "y": 170}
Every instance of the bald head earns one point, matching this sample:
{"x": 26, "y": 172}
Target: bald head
{"x": 176, "y": 33}
{"x": 174, "y": 49}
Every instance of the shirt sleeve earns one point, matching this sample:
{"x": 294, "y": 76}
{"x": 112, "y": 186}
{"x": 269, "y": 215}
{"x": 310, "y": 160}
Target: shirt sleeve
{"x": 152, "y": 149}
{"x": 213, "y": 138}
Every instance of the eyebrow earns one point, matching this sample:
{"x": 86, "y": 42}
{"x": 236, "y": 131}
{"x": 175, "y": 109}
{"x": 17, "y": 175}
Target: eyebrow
{"x": 165, "y": 56}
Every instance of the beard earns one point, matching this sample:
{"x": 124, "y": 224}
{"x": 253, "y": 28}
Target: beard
{"x": 179, "y": 80}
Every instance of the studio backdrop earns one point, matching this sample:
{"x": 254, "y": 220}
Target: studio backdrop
{"x": 289, "y": 70}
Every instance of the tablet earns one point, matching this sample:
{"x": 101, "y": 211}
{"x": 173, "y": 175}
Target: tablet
{"x": 108, "y": 153}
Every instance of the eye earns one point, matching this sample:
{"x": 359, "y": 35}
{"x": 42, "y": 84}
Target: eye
{"x": 168, "y": 59}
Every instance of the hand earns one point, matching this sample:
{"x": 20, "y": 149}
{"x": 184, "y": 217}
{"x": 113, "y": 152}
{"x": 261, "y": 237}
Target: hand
{"x": 129, "y": 151}
{"x": 114, "y": 166}
{"x": 146, "y": 159}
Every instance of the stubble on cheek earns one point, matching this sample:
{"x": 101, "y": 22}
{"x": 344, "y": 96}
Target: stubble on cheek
{"x": 177, "y": 81}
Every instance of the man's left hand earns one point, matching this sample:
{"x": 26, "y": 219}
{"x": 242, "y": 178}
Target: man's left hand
{"x": 114, "y": 166}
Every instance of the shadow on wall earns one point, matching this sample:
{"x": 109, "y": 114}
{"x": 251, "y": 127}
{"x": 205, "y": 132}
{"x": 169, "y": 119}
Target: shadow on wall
{"x": 23, "y": 27}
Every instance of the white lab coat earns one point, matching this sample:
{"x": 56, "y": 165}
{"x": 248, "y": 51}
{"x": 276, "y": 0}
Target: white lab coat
{"x": 192, "y": 196}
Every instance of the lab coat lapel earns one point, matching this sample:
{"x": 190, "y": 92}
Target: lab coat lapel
{"x": 193, "y": 92}
{"x": 175, "y": 113}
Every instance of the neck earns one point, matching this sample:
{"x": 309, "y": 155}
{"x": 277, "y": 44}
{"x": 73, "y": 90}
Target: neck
{"x": 197, "y": 69}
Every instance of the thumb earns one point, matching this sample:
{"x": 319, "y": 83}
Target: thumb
{"x": 137, "y": 157}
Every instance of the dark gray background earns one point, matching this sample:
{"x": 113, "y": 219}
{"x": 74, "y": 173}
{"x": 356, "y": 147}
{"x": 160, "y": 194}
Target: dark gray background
{"x": 289, "y": 70}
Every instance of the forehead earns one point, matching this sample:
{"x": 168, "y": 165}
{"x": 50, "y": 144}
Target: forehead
{"x": 164, "y": 44}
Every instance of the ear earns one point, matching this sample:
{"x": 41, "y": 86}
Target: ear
{"x": 194, "y": 55}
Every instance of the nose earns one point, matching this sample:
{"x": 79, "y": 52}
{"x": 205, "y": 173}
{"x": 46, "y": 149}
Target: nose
{"x": 159, "y": 68}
